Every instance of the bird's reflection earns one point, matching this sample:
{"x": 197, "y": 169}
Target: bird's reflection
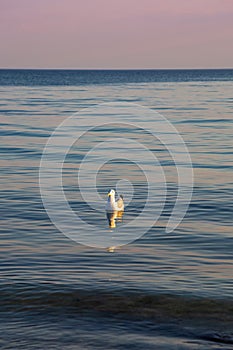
{"x": 113, "y": 217}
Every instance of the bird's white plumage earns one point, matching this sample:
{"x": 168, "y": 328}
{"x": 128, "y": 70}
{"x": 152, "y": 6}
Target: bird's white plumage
{"x": 113, "y": 204}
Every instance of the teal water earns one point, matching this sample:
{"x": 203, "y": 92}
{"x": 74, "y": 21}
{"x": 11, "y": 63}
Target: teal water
{"x": 165, "y": 290}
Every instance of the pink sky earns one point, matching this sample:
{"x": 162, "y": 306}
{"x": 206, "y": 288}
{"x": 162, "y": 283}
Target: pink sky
{"x": 116, "y": 33}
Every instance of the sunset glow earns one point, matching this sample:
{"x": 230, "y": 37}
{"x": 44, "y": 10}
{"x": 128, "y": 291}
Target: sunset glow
{"x": 116, "y": 34}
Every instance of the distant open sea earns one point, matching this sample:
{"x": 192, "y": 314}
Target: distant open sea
{"x": 163, "y": 291}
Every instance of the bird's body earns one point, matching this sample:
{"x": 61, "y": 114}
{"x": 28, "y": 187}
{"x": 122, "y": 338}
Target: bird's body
{"x": 112, "y": 204}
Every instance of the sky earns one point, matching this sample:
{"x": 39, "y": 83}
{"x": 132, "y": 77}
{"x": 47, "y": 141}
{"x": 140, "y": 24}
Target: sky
{"x": 116, "y": 34}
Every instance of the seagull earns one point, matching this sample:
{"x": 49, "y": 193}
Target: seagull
{"x": 113, "y": 205}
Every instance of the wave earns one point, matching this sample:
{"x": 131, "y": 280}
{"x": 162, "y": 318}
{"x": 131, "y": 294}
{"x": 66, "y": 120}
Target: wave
{"x": 135, "y": 303}
{"x": 183, "y": 317}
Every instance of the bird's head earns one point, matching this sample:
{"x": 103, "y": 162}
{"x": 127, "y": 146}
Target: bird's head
{"x": 111, "y": 193}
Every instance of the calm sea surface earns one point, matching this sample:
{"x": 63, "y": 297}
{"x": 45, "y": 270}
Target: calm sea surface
{"x": 163, "y": 291}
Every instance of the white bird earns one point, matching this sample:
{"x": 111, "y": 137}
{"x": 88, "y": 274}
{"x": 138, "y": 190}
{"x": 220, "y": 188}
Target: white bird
{"x": 112, "y": 204}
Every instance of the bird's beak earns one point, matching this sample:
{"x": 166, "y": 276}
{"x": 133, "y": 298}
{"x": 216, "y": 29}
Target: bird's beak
{"x": 109, "y": 194}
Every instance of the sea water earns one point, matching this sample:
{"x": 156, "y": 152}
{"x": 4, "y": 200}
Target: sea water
{"x": 162, "y": 291}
